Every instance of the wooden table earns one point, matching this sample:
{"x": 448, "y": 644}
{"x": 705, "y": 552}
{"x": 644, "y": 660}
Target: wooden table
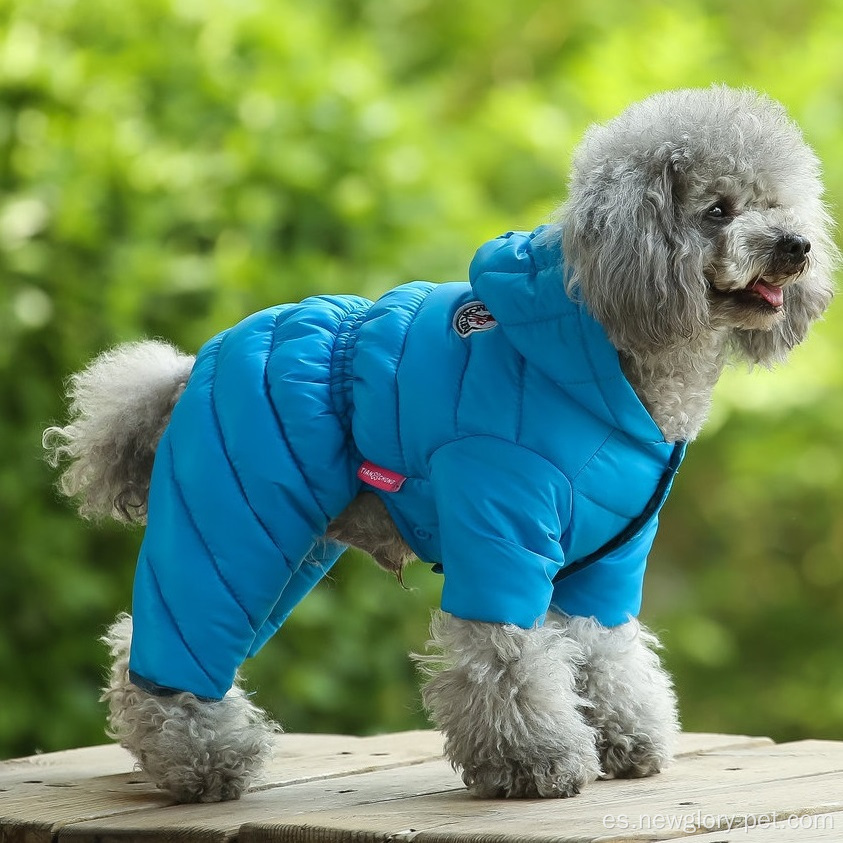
{"x": 722, "y": 788}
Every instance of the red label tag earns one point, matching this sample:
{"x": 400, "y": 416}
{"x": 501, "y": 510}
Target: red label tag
{"x": 380, "y": 478}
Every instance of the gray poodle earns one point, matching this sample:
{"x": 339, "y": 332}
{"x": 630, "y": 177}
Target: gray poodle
{"x": 520, "y": 432}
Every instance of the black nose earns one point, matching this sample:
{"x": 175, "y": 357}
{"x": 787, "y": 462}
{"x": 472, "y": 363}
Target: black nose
{"x": 793, "y": 247}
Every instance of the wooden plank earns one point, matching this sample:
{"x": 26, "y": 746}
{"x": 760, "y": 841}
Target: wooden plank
{"x": 300, "y": 758}
{"x": 92, "y": 788}
{"x": 35, "y": 814}
{"x": 314, "y": 755}
{"x": 447, "y": 820}
{"x": 427, "y": 803}
{"x": 46, "y": 792}
{"x": 698, "y": 793}
{"x": 57, "y": 766}
{"x": 222, "y": 821}
{"x": 40, "y": 792}
{"x": 693, "y": 743}
{"x": 818, "y": 828}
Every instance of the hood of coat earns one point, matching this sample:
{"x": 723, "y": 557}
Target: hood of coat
{"x": 520, "y": 277}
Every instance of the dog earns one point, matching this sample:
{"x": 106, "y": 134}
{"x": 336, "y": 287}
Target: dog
{"x": 520, "y": 431}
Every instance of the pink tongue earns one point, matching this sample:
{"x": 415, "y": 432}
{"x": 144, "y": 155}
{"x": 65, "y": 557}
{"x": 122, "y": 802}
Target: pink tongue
{"x": 774, "y": 296}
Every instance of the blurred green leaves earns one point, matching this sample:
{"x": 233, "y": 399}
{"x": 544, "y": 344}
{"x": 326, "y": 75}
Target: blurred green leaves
{"x": 168, "y": 166}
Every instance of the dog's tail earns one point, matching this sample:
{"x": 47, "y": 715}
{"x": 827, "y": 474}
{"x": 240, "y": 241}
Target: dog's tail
{"x": 119, "y": 407}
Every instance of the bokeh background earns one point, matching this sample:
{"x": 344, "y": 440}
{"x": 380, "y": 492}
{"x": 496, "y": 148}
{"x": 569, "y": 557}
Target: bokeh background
{"x": 168, "y": 166}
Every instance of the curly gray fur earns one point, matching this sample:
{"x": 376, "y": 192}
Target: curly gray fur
{"x": 665, "y": 277}
{"x": 119, "y": 407}
{"x": 507, "y": 702}
{"x": 197, "y": 751}
{"x": 632, "y": 704}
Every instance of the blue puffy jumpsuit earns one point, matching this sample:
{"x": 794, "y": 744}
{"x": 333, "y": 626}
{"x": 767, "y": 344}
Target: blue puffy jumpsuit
{"x": 528, "y": 470}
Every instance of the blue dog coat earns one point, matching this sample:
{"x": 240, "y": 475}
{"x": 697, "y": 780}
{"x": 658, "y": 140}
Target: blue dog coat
{"x": 492, "y": 418}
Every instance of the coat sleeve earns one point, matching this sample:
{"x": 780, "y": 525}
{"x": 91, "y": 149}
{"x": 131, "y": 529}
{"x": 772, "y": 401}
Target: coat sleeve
{"x": 502, "y": 512}
{"x": 609, "y": 589}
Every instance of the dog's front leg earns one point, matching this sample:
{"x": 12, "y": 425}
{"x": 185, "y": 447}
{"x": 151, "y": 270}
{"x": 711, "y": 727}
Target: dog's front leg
{"x": 631, "y": 702}
{"x": 506, "y": 701}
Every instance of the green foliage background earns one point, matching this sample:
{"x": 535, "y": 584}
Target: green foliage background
{"x": 168, "y": 166}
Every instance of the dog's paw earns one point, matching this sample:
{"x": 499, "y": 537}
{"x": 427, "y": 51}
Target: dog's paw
{"x": 631, "y": 756}
{"x": 196, "y": 751}
{"x": 546, "y": 778}
{"x": 196, "y": 769}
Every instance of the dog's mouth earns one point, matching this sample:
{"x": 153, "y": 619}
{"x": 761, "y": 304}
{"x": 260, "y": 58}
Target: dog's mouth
{"x": 762, "y": 289}
{"x": 759, "y": 292}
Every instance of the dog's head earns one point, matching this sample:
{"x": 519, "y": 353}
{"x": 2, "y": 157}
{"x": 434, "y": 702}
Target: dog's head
{"x": 699, "y": 210}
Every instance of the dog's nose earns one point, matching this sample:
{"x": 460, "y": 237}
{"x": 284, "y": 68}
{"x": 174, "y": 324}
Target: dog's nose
{"x": 793, "y": 247}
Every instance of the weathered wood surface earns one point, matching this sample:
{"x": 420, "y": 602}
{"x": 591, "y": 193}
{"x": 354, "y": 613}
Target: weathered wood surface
{"x": 722, "y": 789}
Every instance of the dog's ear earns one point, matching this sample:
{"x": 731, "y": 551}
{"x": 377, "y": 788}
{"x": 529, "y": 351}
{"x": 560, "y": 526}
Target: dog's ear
{"x": 629, "y": 255}
{"x": 804, "y": 302}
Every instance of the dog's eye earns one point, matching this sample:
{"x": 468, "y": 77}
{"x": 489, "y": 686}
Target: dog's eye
{"x": 718, "y": 211}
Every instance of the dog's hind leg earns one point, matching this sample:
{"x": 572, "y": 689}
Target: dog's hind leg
{"x": 316, "y": 565}
{"x": 507, "y": 702}
{"x": 196, "y": 750}
{"x": 631, "y": 702}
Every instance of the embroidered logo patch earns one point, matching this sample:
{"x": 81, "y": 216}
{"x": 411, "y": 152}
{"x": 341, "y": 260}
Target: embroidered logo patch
{"x": 380, "y": 478}
{"x": 473, "y": 317}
